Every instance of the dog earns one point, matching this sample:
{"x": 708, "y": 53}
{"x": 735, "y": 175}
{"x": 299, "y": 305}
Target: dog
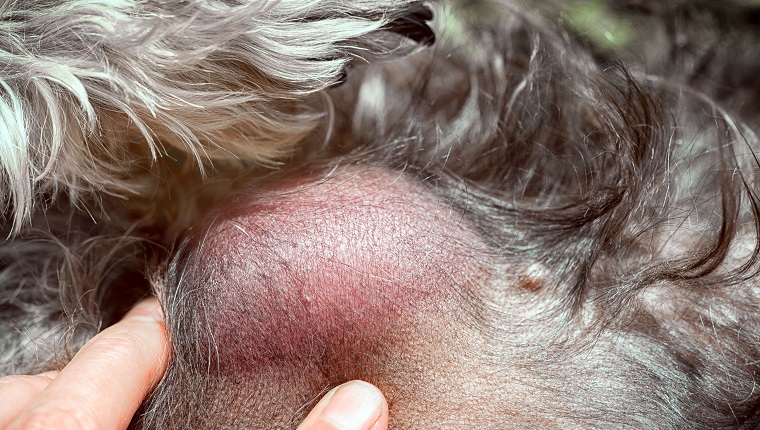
{"x": 491, "y": 217}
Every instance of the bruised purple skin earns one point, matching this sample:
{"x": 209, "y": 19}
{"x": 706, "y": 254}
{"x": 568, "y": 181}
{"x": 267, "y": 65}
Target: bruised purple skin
{"x": 330, "y": 269}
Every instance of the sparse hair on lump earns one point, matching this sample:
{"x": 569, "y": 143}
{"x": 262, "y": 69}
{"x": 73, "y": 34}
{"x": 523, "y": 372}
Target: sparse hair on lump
{"x": 630, "y": 177}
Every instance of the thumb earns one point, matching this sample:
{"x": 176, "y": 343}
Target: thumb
{"x": 355, "y": 405}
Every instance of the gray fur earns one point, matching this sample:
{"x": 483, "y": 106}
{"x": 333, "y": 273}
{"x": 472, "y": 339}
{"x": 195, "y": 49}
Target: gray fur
{"x": 88, "y": 88}
{"x": 629, "y": 193}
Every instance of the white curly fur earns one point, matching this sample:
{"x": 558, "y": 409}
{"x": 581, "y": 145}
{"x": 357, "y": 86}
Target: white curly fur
{"x": 634, "y": 192}
{"x": 90, "y": 86}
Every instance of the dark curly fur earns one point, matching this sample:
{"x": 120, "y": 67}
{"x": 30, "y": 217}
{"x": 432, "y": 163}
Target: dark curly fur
{"x": 616, "y": 195}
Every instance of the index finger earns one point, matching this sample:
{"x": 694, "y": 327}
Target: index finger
{"x": 107, "y": 380}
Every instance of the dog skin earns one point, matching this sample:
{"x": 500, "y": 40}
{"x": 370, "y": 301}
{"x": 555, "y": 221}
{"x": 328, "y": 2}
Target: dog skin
{"x": 508, "y": 229}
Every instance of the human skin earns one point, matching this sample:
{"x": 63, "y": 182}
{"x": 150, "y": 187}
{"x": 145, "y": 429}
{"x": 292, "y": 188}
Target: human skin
{"x": 575, "y": 246}
{"x": 105, "y": 383}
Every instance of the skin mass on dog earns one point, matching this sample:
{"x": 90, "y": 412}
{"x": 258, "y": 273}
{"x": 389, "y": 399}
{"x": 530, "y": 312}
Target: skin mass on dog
{"x": 474, "y": 206}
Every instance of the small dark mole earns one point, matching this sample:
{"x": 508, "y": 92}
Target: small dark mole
{"x": 530, "y": 283}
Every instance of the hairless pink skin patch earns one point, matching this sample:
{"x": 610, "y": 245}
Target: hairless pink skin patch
{"x": 329, "y": 266}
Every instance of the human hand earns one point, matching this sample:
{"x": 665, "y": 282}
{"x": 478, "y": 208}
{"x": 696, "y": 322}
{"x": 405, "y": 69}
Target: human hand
{"x": 108, "y": 379}
{"x": 355, "y": 405}
{"x": 102, "y": 386}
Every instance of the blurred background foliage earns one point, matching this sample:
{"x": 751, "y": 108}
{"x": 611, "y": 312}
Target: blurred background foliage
{"x": 711, "y": 45}
{"x": 612, "y": 24}
{"x": 598, "y": 24}
{"x": 658, "y": 35}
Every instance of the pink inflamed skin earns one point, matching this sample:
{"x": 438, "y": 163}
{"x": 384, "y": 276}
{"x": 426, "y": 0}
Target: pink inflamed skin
{"x": 325, "y": 267}
{"x": 303, "y": 284}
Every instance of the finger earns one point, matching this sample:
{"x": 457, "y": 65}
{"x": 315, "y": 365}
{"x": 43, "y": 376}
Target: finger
{"x": 108, "y": 378}
{"x": 355, "y": 405}
{"x": 17, "y": 391}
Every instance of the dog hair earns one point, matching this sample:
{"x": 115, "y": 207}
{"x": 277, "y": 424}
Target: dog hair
{"x": 86, "y": 82}
{"x": 593, "y": 219}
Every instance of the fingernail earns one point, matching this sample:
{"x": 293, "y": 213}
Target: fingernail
{"x": 355, "y": 405}
{"x": 50, "y": 374}
{"x": 146, "y": 310}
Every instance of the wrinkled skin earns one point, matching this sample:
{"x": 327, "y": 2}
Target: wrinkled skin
{"x": 506, "y": 230}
